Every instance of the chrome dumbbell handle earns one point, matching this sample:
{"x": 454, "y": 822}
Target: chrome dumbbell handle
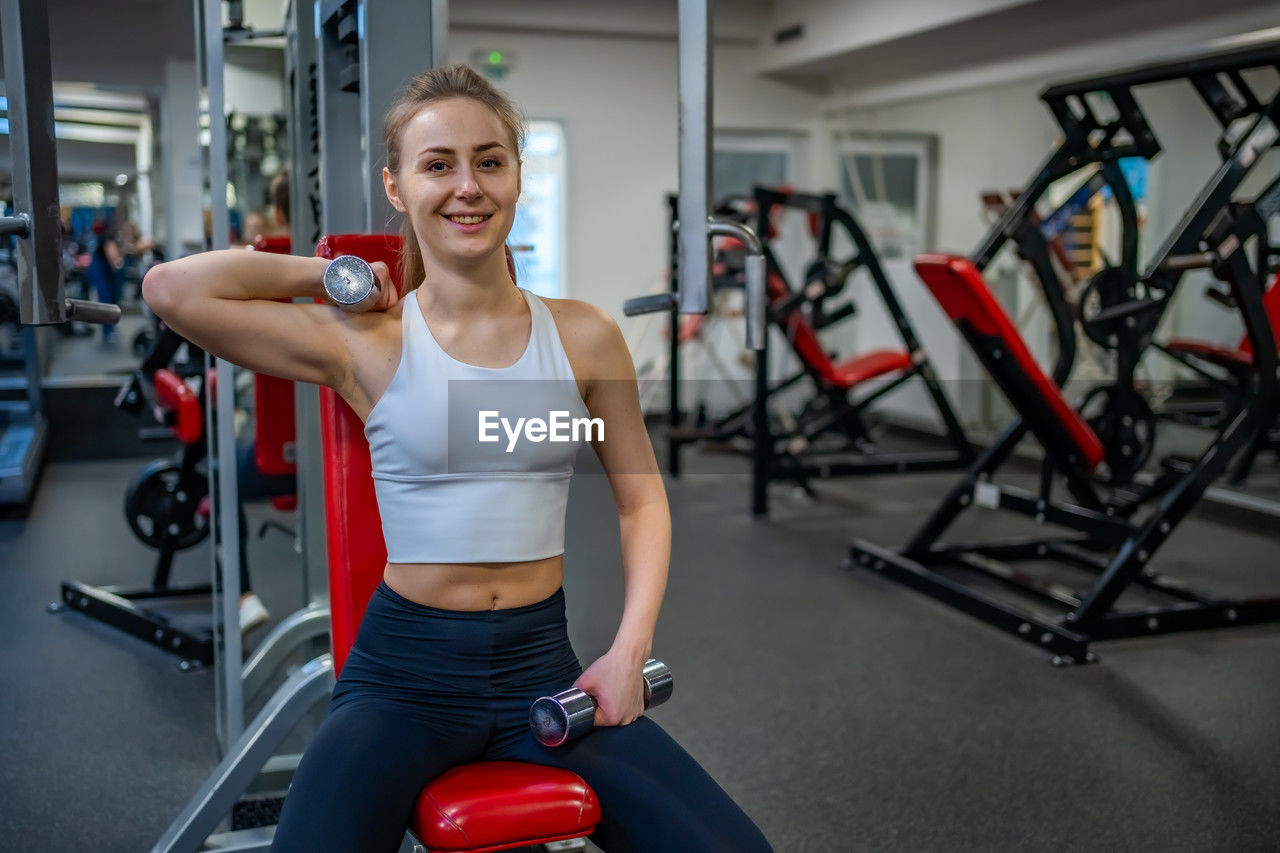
{"x": 571, "y": 713}
{"x": 350, "y": 284}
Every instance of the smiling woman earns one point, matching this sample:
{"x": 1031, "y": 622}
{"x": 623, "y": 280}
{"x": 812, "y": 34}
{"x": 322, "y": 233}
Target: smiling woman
{"x": 468, "y": 626}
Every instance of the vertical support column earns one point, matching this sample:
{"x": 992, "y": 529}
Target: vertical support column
{"x": 29, "y": 88}
{"x": 403, "y": 40}
{"x": 694, "y": 204}
{"x": 343, "y": 186}
{"x": 303, "y": 69}
{"x": 221, "y": 422}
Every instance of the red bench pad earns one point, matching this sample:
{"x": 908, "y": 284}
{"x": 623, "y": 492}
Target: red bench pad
{"x": 869, "y": 365}
{"x": 1242, "y": 356}
{"x": 497, "y": 805}
{"x": 1235, "y": 359}
{"x": 175, "y": 396}
{"x": 959, "y": 288}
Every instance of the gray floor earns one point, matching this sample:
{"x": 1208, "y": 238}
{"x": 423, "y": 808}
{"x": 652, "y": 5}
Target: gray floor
{"x": 842, "y": 711}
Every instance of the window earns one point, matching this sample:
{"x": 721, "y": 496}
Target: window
{"x": 537, "y": 235}
{"x": 886, "y": 183}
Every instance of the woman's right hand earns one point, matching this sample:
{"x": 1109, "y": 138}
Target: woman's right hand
{"x": 387, "y": 293}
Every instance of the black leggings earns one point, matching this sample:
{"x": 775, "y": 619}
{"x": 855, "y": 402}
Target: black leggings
{"x": 425, "y": 689}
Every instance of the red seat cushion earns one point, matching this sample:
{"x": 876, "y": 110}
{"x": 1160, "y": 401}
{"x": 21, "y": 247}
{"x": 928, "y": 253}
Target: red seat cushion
{"x": 497, "y": 805}
{"x": 961, "y": 291}
{"x": 1237, "y": 358}
{"x": 869, "y": 365}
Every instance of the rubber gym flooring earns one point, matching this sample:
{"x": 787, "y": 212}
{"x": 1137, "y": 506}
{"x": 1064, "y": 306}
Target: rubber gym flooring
{"x": 844, "y": 712}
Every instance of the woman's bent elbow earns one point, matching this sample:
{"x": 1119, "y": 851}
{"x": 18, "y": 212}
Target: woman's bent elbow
{"x": 157, "y": 291}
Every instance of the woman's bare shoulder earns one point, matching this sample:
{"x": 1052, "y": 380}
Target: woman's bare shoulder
{"x": 591, "y": 338}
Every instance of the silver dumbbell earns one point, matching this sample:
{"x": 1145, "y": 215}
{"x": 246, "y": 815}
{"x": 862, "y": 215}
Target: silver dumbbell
{"x": 571, "y": 713}
{"x": 350, "y": 284}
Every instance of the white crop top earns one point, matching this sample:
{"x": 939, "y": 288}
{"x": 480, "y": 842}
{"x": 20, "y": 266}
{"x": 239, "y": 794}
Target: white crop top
{"x": 460, "y": 477}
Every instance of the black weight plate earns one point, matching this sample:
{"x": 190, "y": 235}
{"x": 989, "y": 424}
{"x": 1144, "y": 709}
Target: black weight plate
{"x": 161, "y": 506}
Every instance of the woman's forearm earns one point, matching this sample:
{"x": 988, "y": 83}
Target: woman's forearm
{"x": 233, "y": 274}
{"x": 646, "y": 553}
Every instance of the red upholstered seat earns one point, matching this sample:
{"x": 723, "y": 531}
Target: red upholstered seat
{"x": 962, "y": 293}
{"x": 1232, "y": 359}
{"x": 476, "y": 807}
{"x": 847, "y": 373}
{"x": 869, "y": 365}
{"x": 495, "y": 805}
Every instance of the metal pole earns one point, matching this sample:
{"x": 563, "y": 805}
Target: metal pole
{"x": 304, "y": 220}
{"x": 29, "y": 88}
{"x": 693, "y": 208}
{"x": 384, "y": 71}
{"x": 226, "y": 517}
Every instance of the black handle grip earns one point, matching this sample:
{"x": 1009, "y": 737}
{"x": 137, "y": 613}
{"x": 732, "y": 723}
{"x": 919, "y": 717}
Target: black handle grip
{"x": 649, "y": 304}
{"x": 1222, "y": 296}
{"x": 15, "y": 226}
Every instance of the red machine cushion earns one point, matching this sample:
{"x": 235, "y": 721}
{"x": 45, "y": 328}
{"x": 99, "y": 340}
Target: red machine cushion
{"x": 1271, "y": 302}
{"x": 497, "y": 805}
{"x": 1231, "y": 358}
{"x": 357, "y": 552}
{"x": 869, "y": 365}
{"x": 176, "y": 396}
{"x": 275, "y": 428}
{"x": 276, "y": 245}
{"x": 962, "y": 293}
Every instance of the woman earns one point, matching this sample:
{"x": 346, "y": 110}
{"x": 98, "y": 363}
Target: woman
{"x": 468, "y": 626}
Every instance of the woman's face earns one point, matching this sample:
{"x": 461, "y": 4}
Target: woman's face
{"x": 459, "y": 181}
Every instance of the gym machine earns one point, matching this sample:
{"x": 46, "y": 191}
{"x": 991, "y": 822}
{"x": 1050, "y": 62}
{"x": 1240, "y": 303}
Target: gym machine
{"x": 1117, "y": 516}
{"x": 804, "y": 448}
{"x": 1227, "y": 379}
{"x": 41, "y": 297}
{"x": 339, "y": 90}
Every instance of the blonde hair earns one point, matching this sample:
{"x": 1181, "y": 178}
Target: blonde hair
{"x": 439, "y": 84}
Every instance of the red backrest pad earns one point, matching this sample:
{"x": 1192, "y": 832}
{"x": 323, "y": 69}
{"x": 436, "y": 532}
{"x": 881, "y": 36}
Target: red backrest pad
{"x": 357, "y": 552}
{"x": 176, "y": 396}
{"x": 1271, "y": 302}
{"x": 959, "y": 288}
{"x": 275, "y": 423}
{"x": 804, "y": 340}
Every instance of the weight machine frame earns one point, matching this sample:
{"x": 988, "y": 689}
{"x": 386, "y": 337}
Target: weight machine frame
{"x": 798, "y": 316}
{"x": 1111, "y": 543}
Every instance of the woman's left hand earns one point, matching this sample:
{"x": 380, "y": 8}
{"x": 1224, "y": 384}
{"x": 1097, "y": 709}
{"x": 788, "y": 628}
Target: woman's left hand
{"x": 616, "y": 682}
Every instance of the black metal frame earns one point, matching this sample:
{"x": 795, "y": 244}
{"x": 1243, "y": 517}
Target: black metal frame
{"x": 1113, "y": 542}
{"x": 844, "y": 415}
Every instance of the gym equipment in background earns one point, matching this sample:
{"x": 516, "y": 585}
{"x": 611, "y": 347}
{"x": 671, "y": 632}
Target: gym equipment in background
{"x": 167, "y": 508}
{"x": 828, "y": 434}
{"x": 1227, "y": 380}
{"x": 1118, "y": 514}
